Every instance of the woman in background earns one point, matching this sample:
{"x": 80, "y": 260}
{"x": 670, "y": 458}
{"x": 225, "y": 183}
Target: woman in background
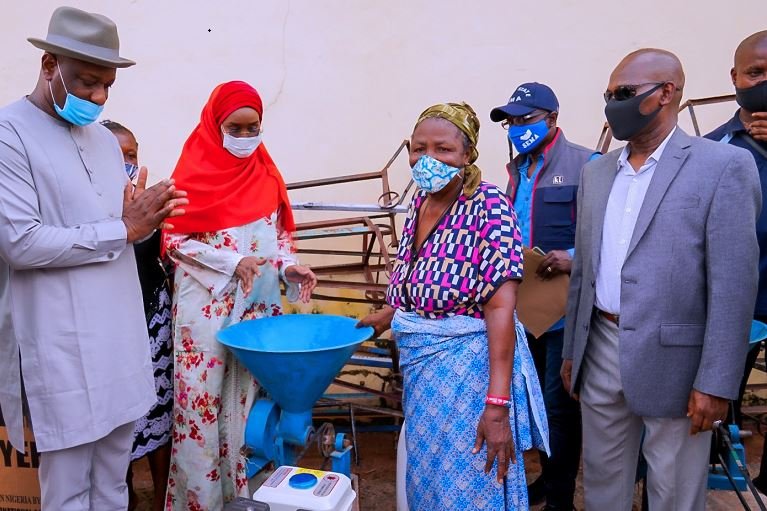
{"x": 231, "y": 250}
{"x": 152, "y": 432}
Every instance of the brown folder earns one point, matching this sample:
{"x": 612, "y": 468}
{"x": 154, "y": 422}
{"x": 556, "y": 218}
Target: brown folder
{"x": 540, "y": 303}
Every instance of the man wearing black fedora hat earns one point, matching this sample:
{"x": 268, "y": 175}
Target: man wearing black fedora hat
{"x": 73, "y": 340}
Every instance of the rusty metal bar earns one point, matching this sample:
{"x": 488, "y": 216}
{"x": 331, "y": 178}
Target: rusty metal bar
{"x": 356, "y": 208}
{"x": 352, "y": 178}
{"x": 338, "y": 180}
{"x": 376, "y": 229}
{"x": 691, "y": 103}
{"x": 347, "y": 299}
{"x": 333, "y": 232}
{"x": 694, "y": 119}
{"x": 328, "y": 402}
{"x": 336, "y": 222}
{"x": 319, "y": 251}
{"x": 385, "y": 170}
{"x": 360, "y": 286}
{"x": 710, "y": 100}
{"x": 345, "y": 269}
{"x": 386, "y": 395}
{"x": 325, "y": 224}
{"x": 603, "y": 144}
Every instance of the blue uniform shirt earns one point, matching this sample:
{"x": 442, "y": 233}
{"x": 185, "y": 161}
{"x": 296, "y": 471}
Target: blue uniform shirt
{"x": 733, "y": 132}
{"x": 523, "y": 200}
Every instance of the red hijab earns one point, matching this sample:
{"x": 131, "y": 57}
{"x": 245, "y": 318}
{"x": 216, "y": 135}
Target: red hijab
{"x": 224, "y": 190}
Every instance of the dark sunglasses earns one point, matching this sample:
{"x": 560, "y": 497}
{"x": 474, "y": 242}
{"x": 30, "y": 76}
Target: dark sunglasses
{"x": 523, "y": 119}
{"x": 624, "y": 92}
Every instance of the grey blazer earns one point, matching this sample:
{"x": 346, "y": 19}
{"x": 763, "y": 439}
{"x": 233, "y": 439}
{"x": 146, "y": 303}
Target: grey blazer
{"x": 689, "y": 280}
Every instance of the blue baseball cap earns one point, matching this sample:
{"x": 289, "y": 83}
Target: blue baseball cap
{"x": 528, "y": 97}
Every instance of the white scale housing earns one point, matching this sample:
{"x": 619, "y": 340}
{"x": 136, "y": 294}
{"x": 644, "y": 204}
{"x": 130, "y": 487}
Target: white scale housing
{"x": 300, "y": 489}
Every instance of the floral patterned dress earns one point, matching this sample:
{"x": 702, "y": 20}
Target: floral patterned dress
{"x": 213, "y": 392}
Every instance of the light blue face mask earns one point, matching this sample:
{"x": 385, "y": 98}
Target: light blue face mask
{"x": 528, "y": 136}
{"x": 79, "y": 112}
{"x": 432, "y": 175}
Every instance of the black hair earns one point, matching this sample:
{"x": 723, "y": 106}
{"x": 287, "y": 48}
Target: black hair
{"x": 116, "y": 127}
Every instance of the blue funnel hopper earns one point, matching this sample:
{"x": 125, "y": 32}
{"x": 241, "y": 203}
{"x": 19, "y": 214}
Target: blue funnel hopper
{"x": 758, "y": 332}
{"x": 294, "y": 357}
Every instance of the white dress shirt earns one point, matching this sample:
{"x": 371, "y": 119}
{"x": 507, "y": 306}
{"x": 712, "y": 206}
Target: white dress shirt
{"x": 623, "y": 206}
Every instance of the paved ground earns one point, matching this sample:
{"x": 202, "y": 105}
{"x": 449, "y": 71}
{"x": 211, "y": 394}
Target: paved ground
{"x": 377, "y": 468}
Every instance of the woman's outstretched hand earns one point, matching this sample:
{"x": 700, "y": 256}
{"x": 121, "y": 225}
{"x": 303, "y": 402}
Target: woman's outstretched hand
{"x": 302, "y": 275}
{"x": 380, "y": 320}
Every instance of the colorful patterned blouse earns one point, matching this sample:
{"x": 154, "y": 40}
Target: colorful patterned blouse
{"x": 474, "y": 248}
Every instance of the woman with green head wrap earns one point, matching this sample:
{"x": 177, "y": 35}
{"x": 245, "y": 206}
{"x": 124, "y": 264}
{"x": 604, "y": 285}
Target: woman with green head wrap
{"x": 472, "y": 400}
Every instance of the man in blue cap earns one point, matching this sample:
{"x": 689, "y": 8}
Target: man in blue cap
{"x": 543, "y": 184}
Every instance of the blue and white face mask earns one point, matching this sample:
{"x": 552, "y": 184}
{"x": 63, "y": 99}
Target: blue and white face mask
{"x": 132, "y": 170}
{"x": 79, "y": 112}
{"x": 528, "y": 136}
{"x": 432, "y": 175}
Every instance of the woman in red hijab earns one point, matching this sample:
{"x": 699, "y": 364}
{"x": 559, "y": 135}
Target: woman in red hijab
{"x": 231, "y": 249}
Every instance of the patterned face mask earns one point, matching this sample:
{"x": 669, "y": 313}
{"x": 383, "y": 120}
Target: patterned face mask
{"x": 132, "y": 170}
{"x": 432, "y": 175}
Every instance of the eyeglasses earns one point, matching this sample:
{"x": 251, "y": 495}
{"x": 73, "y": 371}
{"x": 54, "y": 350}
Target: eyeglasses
{"x": 522, "y": 120}
{"x": 624, "y": 92}
{"x": 247, "y": 132}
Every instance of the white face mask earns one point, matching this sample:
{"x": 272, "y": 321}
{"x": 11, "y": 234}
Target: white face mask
{"x": 241, "y": 147}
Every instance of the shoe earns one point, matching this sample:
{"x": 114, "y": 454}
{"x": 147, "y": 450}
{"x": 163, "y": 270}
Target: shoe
{"x": 536, "y": 491}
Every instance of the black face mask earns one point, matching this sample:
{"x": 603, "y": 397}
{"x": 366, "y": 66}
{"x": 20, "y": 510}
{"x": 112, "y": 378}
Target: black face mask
{"x": 624, "y": 117}
{"x": 754, "y": 98}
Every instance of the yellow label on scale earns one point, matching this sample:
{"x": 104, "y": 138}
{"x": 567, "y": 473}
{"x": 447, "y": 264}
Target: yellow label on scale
{"x": 319, "y": 474}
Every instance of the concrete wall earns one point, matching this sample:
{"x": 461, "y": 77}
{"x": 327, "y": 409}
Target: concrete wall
{"x": 344, "y": 80}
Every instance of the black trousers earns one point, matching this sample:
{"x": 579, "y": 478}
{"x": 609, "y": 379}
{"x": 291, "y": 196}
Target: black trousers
{"x": 564, "y": 416}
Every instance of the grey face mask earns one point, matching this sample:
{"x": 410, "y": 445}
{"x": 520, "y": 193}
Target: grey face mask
{"x": 753, "y": 99}
{"x": 625, "y": 118}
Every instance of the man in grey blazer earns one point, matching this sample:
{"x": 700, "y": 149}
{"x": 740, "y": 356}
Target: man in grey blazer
{"x": 662, "y": 290}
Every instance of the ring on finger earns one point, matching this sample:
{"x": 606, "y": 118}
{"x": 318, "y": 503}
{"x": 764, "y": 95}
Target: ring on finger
{"x": 548, "y": 269}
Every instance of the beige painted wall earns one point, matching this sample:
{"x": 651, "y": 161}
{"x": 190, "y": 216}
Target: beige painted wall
{"x": 344, "y": 80}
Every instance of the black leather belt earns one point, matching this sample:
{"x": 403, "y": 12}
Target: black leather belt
{"x": 612, "y": 318}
